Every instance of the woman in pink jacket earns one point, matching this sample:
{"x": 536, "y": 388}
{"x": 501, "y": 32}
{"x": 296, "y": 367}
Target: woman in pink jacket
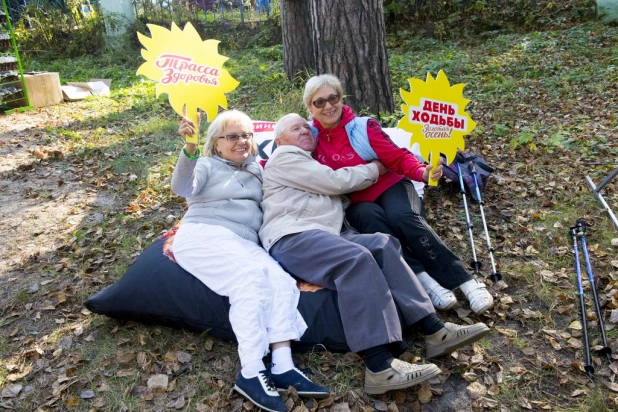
{"x": 391, "y": 205}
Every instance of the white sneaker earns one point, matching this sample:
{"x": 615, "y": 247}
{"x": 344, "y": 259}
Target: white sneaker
{"x": 452, "y": 337}
{"x": 441, "y": 298}
{"x": 400, "y": 375}
{"x": 479, "y": 297}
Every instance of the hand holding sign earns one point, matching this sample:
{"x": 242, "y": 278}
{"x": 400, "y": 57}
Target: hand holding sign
{"x": 188, "y": 128}
{"x": 435, "y": 115}
{"x": 188, "y": 69}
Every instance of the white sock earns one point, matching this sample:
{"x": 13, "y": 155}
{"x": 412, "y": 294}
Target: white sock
{"x": 251, "y": 369}
{"x": 282, "y": 360}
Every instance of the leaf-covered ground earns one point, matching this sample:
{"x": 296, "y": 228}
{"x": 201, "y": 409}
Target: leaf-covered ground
{"x": 84, "y": 187}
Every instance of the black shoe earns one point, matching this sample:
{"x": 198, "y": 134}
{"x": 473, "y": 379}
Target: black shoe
{"x": 261, "y": 392}
{"x": 300, "y": 382}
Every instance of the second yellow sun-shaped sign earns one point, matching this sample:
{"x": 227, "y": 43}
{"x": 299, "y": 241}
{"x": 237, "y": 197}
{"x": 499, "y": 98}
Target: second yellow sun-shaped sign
{"x": 435, "y": 115}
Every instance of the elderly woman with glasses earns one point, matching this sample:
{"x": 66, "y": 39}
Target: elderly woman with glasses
{"x": 391, "y": 205}
{"x": 217, "y": 242}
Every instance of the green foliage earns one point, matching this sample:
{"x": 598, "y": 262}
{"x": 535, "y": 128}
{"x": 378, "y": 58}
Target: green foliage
{"x": 57, "y": 32}
{"x": 460, "y": 18}
{"x": 523, "y": 138}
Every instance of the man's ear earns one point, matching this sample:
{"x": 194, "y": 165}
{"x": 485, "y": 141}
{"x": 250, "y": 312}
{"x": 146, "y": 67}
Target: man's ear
{"x": 277, "y": 142}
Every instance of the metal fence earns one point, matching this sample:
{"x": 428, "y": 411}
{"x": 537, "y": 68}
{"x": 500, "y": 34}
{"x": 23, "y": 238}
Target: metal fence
{"x": 19, "y": 8}
{"x": 240, "y": 11}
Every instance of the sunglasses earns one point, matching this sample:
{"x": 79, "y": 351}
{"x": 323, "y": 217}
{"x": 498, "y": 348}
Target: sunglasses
{"x": 233, "y": 138}
{"x": 333, "y": 99}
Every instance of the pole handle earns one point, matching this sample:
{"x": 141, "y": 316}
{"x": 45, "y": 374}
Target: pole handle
{"x": 435, "y": 162}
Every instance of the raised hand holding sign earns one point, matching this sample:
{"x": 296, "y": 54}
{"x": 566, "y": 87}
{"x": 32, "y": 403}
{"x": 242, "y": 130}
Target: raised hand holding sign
{"x": 188, "y": 69}
{"x": 435, "y": 115}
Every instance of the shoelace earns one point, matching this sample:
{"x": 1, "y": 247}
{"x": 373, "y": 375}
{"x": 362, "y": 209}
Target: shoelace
{"x": 268, "y": 382}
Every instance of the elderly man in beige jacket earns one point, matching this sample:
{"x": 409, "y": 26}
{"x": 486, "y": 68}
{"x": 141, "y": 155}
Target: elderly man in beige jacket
{"x": 304, "y": 231}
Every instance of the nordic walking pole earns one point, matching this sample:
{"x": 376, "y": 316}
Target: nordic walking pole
{"x": 495, "y": 276}
{"x": 580, "y": 291}
{"x": 475, "y": 263}
{"x": 581, "y": 226}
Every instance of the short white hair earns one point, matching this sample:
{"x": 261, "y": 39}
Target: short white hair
{"x": 282, "y": 122}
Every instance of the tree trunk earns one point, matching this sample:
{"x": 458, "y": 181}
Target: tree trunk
{"x": 298, "y": 50}
{"x": 349, "y": 39}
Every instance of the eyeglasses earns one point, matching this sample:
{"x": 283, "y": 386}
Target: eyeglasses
{"x": 233, "y": 138}
{"x": 333, "y": 99}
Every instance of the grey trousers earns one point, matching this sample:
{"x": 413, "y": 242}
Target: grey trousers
{"x": 370, "y": 277}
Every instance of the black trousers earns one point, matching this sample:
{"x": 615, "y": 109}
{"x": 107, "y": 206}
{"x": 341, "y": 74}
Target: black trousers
{"x": 397, "y": 212}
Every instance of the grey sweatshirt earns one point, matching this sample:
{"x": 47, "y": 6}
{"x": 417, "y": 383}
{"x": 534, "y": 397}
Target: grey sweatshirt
{"x": 220, "y": 192}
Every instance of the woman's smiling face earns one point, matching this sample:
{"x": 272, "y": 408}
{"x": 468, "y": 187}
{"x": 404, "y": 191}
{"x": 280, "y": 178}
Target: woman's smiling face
{"x": 237, "y": 151}
{"x": 329, "y": 116}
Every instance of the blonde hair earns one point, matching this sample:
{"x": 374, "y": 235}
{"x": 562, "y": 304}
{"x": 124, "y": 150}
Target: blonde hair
{"x": 317, "y": 82}
{"x": 282, "y": 122}
{"x": 222, "y": 121}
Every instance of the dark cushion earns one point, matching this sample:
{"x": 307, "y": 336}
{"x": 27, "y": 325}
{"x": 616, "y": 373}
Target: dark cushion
{"x": 155, "y": 289}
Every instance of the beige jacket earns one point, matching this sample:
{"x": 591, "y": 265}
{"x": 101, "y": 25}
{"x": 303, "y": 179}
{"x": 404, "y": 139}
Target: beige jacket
{"x": 301, "y": 194}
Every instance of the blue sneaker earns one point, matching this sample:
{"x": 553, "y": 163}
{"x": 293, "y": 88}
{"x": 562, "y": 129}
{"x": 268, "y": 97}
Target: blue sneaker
{"x": 300, "y": 382}
{"x": 261, "y": 392}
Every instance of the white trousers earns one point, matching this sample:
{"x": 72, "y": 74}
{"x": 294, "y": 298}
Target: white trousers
{"x": 263, "y": 297}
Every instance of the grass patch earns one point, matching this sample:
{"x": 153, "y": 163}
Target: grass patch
{"x": 543, "y": 102}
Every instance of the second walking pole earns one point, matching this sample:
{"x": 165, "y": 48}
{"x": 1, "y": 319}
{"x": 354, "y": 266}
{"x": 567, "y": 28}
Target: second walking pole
{"x": 580, "y": 291}
{"x": 580, "y": 227}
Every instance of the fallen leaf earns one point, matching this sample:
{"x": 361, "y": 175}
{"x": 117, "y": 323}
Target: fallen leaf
{"x": 325, "y": 402}
{"x": 576, "y": 325}
{"x": 476, "y": 390}
{"x": 470, "y": 376}
{"x": 72, "y": 401}
{"x": 578, "y": 392}
{"x": 177, "y": 404}
{"x": 88, "y": 394}
{"x": 575, "y": 343}
{"x": 507, "y": 332}
{"x": 532, "y": 314}
{"x": 487, "y": 403}
{"x": 611, "y": 385}
{"x": 125, "y": 372}
{"x": 463, "y": 313}
{"x": 528, "y": 350}
{"x": 158, "y": 382}
{"x": 183, "y": 357}
{"x": 392, "y": 407}
{"x": 424, "y": 393}
{"x": 126, "y": 358}
{"x": 613, "y": 318}
{"x": 523, "y": 402}
{"x": 379, "y": 406}
{"x": 10, "y": 391}
{"x": 340, "y": 407}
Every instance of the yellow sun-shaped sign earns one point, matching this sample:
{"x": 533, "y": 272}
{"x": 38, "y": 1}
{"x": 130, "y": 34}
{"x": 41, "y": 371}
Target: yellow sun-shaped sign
{"x": 435, "y": 115}
{"x": 188, "y": 69}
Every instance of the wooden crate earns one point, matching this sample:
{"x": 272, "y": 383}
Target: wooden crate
{"x": 43, "y": 89}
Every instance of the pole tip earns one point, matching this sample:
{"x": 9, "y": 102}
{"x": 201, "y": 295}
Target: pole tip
{"x": 496, "y": 277}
